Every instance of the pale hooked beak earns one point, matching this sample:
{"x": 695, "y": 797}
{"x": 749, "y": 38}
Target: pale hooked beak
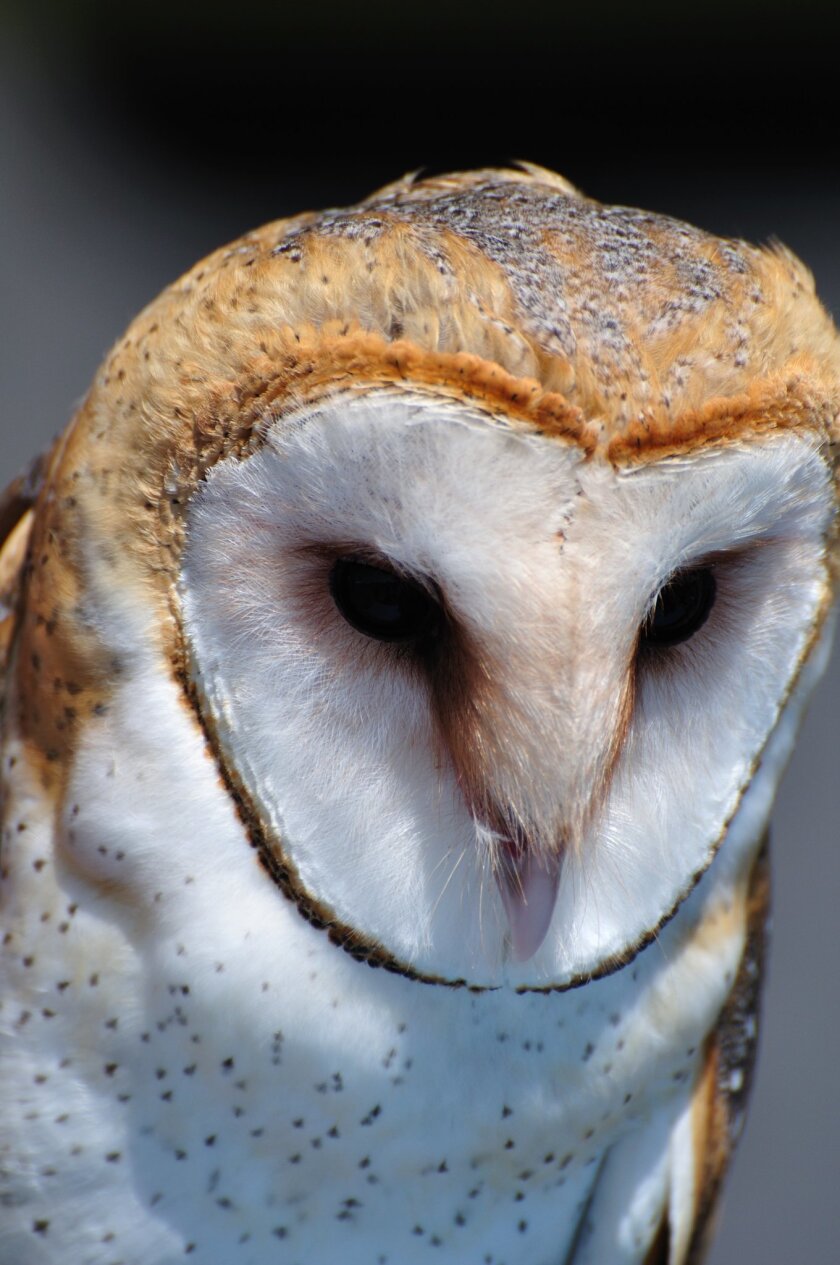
{"x": 527, "y": 882}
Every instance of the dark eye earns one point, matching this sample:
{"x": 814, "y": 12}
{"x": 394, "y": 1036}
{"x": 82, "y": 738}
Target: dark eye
{"x": 682, "y": 607}
{"x": 382, "y": 604}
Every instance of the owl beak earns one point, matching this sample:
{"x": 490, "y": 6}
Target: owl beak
{"x": 527, "y": 883}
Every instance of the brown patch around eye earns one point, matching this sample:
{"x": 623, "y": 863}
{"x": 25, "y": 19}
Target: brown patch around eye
{"x": 620, "y": 731}
{"x": 458, "y": 679}
{"x": 460, "y": 683}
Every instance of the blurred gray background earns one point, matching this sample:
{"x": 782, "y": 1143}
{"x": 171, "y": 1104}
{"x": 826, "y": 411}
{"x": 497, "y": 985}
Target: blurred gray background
{"x": 134, "y": 139}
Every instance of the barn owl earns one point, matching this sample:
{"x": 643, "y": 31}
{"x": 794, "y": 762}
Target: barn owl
{"x": 402, "y": 646}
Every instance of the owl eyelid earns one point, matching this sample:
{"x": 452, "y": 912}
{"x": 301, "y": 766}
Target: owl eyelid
{"x": 718, "y": 561}
{"x": 369, "y": 556}
{"x": 382, "y": 600}
{"x": 680, "y": 609}
{"x": 678, "y": 573}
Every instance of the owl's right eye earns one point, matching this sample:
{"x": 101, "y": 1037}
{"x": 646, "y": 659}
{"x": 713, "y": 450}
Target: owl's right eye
{"x": 681, "y": 608}
{"x": 382, "y": 604}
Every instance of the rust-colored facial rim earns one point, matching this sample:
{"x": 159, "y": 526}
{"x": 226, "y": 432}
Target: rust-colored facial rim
{"x": 321, "y": 365}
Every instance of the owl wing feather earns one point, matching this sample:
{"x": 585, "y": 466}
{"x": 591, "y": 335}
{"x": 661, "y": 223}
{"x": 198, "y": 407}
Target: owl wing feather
{"x": 655, "y": 1198}
{"x": 16, "y": 505}
{"x": 720, "y": 1099}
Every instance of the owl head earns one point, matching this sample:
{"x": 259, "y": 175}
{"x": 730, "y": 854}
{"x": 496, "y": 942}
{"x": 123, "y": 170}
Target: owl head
{"x": 485, "y": 535}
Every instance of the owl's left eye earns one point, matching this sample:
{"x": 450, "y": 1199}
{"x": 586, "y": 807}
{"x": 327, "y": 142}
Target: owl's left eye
{"x": 382, "y": 604}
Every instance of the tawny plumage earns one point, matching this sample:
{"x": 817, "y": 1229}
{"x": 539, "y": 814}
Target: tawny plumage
{"x": 402, "y": 647}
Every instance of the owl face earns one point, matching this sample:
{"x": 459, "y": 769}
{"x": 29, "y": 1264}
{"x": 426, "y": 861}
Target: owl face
{"x": 449, "y": 663}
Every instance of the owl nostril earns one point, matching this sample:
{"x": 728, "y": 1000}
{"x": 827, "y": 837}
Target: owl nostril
{"x": 513, "y": 845}
{"x": 513, "y": 848}
{"x": 511, "y": 837}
